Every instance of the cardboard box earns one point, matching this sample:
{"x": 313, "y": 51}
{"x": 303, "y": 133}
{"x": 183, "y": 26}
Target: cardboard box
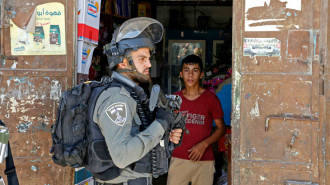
{"x": 88, "y": 20}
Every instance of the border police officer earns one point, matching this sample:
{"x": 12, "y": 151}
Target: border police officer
{"x": 128, "y": 127}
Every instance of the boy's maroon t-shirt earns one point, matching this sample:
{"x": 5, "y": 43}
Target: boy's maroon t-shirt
{"x": 199, "y": 115}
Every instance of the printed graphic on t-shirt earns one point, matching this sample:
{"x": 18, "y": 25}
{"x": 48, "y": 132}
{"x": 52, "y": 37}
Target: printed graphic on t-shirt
{"x": 190, "y": 118}
{"x": 117, "y": 113}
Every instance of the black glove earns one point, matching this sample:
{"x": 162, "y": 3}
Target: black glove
{"x": 165, "y": 118}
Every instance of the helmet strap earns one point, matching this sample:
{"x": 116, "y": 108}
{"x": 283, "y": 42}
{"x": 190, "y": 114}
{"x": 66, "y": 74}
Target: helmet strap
{"x": 133, "y": 71}
{"x": 130, "y": 62}
{"x": 124, "y": 70}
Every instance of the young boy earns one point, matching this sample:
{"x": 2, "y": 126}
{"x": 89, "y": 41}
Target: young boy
{"x": 193, "y": 161}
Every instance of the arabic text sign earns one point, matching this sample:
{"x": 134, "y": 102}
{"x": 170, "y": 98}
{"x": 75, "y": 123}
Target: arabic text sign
{"x": 261, "y": 47}
{"x": 49, "y": 36}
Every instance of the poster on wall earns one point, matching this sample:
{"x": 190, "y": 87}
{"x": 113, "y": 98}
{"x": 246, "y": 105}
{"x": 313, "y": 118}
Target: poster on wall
{"x": 46, "y": 33}
{"x": 270, "y": 47}
{"x": 272, "y": 15}
{"x": 217, "y": 44}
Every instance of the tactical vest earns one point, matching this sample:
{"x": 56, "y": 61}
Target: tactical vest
{"x": 99, "y": 162}
{"x": 78, "y": 141}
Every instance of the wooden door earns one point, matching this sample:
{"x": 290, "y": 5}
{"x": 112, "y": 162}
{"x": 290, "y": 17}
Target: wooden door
{"x": 30, "y": 87}
{"x": 280, "y": 117}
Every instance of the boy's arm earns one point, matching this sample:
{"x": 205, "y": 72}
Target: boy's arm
{"x": 197, "y": 151}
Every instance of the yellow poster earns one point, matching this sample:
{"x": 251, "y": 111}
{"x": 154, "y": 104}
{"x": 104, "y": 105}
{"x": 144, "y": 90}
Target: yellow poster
{"x": 47, "y": 37}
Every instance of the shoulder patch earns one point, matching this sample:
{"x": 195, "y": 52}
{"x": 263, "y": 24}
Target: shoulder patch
{"x": 117, "y": 113}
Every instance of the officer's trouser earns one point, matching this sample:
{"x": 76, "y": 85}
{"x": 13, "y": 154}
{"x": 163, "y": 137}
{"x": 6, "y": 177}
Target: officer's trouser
{"x": 139, "y": 181}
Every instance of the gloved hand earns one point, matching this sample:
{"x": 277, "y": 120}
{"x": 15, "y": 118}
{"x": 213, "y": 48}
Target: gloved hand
{"x": 165, "y": 118}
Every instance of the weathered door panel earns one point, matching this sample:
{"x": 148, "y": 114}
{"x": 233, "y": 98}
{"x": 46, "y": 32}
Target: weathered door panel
{"x": 41, "y": 170}
{"x": 291, "y": 144}
{"x": 269, "y": 135}
{"x": 296, "y": 52}
{"x": 279, "y": 120}
{"x": 272, "y": 174}
{"x": 30, "y": 102}
{"x": 30, "y": 87}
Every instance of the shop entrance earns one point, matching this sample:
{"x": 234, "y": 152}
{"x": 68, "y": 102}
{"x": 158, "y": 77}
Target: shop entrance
{"x": 280, "y": 101}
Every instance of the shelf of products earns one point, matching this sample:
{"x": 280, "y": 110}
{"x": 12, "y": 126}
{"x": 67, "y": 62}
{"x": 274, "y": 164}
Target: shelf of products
{"x": 115, "y": 16}
{"x": 112, "y": 16}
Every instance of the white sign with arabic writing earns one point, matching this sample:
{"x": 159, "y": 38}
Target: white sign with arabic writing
{"x": 262, "y": 47}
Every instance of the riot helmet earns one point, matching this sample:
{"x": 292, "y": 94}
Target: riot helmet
{"x": 133, "y": 34}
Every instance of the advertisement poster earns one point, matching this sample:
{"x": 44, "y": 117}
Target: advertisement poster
{"x": 262, "y": 47}
{"x": 272, "y": 15}
{"x": 48, "y": 35}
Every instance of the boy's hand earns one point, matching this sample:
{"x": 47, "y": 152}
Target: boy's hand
{"x": 197, "y": 151}
{"x": 175, "y": 135}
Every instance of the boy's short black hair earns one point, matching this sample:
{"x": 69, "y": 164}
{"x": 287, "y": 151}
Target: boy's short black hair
{"x": 192, "y": 59}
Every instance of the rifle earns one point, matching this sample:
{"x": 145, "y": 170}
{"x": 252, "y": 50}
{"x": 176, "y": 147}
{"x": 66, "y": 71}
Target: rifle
{"x": 163, "y": 151}
{"x": 170, "y": 103}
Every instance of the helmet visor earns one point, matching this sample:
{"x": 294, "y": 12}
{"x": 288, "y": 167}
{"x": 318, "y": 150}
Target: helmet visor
{"x": 134, "y": 27}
